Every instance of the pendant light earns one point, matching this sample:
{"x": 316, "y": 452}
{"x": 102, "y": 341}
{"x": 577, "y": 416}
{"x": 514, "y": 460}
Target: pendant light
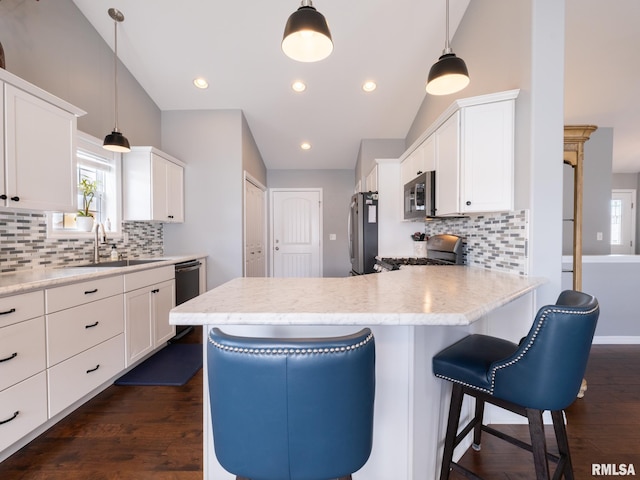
{"x": 449, "y": 74}
{"x": 116, "y": 141}
{"x": 306, "y": 35}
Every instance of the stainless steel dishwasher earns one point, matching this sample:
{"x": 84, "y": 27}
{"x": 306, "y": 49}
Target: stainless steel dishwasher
{"x": 187, "y": 277}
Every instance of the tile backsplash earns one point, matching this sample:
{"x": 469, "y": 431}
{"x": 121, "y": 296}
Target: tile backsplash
{"x": 495, "y": 241}
{"x": 24, "y": 244}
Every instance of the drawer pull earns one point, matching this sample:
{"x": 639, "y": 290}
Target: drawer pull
{"x": 13, "y": 310}
{"x": 9, "y": 358}
{"x": 92, "y": 325}
{"x": 12, "y": 418}
{"x": 93, "y": 369}
{"x": 155, "y": 290}
{"x": 91, "y": 291}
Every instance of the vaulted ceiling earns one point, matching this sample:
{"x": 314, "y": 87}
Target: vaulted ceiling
{"x": 235, "y": 45}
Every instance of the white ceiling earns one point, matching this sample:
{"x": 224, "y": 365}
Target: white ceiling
{"x": 235, "y": 44}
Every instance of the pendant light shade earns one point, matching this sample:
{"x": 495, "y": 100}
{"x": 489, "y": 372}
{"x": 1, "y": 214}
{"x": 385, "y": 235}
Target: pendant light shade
{"x": 449, "y": 74}
{"x": 116, "y": 141}
{"x": 306, "y": 35}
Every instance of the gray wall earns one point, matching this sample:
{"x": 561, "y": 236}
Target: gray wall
{"x": 337, "y": 188}
{"x": 251, "y": 159}
{"x": 52, "y": 45}
{"x": 510, "y": 45}
{"x": 371, "y": 149}
{"x": 210, "y": 142}
{"x": 598, "y": 153}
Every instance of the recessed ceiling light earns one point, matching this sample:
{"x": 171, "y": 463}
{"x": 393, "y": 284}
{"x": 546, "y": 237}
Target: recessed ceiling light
{"x": 298, "y": 86}
{"x": 305, "y": 146}
{"x": 201, "y": 83}
{"x": 369, "y": 86}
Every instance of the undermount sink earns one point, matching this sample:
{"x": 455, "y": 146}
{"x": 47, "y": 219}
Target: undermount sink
{"x": 122, "y": 263}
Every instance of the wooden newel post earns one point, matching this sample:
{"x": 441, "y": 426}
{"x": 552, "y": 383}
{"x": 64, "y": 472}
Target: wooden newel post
{"x": 574, "y": 138}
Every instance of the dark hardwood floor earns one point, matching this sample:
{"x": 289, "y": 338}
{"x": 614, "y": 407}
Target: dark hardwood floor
{"x": 140, "y": 433}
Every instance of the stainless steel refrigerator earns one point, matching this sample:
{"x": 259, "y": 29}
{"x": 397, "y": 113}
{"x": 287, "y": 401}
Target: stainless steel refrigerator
{"x": 363, "y": 232}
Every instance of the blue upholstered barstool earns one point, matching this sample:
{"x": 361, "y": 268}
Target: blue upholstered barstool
{"x": 543, "y": 372}
{"x": 292, "y": 409}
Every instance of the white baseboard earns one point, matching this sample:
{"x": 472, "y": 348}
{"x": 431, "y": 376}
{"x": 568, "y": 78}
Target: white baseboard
{"x": 616, "y": 340}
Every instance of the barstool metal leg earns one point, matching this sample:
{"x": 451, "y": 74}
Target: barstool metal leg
{"x": 455, "y": 407}
{"x": 539, "y": 443}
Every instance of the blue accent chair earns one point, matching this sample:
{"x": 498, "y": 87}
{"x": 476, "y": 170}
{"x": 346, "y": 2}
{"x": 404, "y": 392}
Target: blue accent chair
{"x": 292, "y": 409}
{"x": 543, "y": 372}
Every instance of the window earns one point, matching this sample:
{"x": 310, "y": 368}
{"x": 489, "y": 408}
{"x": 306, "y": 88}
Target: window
{"x": 94, "y": 164}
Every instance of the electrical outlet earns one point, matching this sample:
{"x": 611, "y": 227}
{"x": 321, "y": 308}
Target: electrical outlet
{"x": 332, "y": 236}
{"x": 599, "y": 236}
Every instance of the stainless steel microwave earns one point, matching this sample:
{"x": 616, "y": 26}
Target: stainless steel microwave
{"x": 420, "y": 197}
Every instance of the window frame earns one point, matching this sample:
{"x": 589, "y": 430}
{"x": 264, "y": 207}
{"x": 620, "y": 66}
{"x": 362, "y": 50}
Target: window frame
{"x": 93, "y": 146}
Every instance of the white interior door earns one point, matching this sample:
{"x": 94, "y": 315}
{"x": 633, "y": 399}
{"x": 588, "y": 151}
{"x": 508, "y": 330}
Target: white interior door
{"x": 623, "y": 222}
{"x": 255, "y": 264}
{"x": 296, "y": 233}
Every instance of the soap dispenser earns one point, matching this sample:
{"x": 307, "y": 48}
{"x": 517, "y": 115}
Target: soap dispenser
{"x": 114, "y": 253}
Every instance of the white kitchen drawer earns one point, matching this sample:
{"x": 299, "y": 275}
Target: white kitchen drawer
{"x": 135, "y": 280}
{"x": 21, "y": 307}
{"x": 74, "y": 330}
{"x": 74, "y": 378}
{"x": 22, "y": 349}
{"x": 76, "y": 294}
{"x": 23, "y": 407}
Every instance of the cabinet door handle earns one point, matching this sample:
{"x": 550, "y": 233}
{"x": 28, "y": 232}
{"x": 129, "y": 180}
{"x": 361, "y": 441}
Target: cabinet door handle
{"x": 92, "y": 325}
{"x": 3, "y": 197}
{"x": 11, "y": 357}
{"x": 155, "y": 290}
{"x": 15, "y": 199}
{"x": 170, "y": 216}
{"x": 468, "y": 202}
{"x": 93, "y": 369}
{"x": 9, "y": 419}
{"x": 91, "y": 291}
{"x": 8, "y": 312}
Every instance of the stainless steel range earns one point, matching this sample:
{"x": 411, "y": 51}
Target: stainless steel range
{"x": 441, "y": 250}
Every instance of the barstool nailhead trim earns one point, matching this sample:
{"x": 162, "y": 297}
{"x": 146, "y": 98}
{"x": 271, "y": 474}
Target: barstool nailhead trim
{"x": 293, "y": 351}
{"x": 495, "y": 369}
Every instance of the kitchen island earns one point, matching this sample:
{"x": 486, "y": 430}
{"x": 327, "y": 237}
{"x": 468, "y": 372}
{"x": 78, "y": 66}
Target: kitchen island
{"x": 413, "y": 312}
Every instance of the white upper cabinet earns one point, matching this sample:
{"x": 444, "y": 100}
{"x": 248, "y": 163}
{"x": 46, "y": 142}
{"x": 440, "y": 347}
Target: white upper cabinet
{"x": 371, "y": 182}
{"x": 471, "y": 148}
{"x": 487, "y": 157}
{"x": 38, "y": 164}
{"x": 153, "y": 186}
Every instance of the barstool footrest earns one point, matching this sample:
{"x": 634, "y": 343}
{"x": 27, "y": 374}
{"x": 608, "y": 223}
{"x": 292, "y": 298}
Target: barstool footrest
{"x": 515, "y": 441}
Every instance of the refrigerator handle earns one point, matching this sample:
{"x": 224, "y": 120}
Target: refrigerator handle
{"x": 349, "y": 230}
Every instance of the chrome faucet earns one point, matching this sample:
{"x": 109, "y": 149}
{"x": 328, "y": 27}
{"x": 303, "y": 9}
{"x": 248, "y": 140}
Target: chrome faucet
{"x": 96, "y": 243}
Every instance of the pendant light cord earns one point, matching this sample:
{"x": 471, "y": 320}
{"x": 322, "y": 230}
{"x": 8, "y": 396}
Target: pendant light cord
{"x": 115, "y": 73}
{"x": 447, "y": 47}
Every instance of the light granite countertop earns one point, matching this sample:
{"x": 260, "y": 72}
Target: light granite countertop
{"x": 20, "y": 282}
{"x": 418, "y": 295}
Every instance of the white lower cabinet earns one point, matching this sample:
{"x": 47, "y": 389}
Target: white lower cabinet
{"x": 23, "y": 407}
{"x": 21, "y": 351}
{"x": 74, "y": 378}
{"x": 60, "y": 345}
{"x": 75, "y": 330}
{"x": 147, "y": 303}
